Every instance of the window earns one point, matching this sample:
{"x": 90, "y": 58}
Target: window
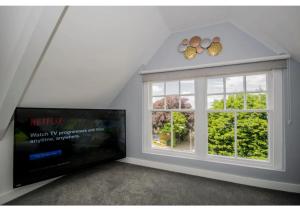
{"x": 172, "y": 110}
{"x": 238, "y": 116}
{"x": 234, "y": 119}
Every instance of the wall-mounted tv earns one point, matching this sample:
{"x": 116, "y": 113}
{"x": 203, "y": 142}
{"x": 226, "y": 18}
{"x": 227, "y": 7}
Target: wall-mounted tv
{"x": 50, "y": 142}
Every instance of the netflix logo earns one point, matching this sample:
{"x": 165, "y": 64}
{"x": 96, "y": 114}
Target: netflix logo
{"x": 46, "y": 121}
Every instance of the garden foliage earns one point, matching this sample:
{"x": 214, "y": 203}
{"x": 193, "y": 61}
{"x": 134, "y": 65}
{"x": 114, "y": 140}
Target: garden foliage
{"x": 251, "y": 127}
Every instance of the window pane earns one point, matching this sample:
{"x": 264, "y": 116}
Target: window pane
{"x": 235, "y": 101}
{"x": 187, "y": 87}
{"x": 187, "y": 102}
{"x": 235, "y": 84}
{"x": 221, "y": 133}
{"x": 215, "y": 85}
{"x": 252, "y": 135}
{"x": 256, "y": 83}
{"x": 172, "y": 102}
{"x": 158, "y": 89}
{"x": 183, "y": 131}
{"x": 158, "y": 102}
{"x": 161, "y": 130}
{"x": 172, "y": 88}
{"x": 215, "y": 102}
{"x": 256, "y": 101}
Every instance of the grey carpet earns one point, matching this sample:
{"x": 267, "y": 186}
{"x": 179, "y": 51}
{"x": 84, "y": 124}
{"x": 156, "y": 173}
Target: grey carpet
{"x": 124, "y": 184}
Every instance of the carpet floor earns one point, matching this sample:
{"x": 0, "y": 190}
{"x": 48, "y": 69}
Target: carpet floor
{"x": 125, "y": 184}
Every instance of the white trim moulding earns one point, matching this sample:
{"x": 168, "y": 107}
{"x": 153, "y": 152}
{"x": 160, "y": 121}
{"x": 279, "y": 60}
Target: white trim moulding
{"x": 250, "y": 181}
{"x": 17, "y": 192}
{"x": 219, "y": 64}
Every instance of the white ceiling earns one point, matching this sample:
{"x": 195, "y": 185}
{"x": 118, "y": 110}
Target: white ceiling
{"x": 276, "y": 27}
{"x": 93, "y": 54}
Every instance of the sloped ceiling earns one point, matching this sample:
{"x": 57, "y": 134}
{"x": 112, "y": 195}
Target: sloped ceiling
{"x": 97, "y": 49}
{"x": 93, "y": 54}
{"x": 276, "y": 27}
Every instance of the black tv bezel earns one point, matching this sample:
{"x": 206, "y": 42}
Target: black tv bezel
{"x": 74, "y": 170}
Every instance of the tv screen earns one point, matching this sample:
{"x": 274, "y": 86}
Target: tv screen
{"x": 53, "y": 142}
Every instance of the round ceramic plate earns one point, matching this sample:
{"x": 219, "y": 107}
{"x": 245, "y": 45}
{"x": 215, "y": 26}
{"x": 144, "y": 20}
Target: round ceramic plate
{"x": 185, "y": 42}
{"x": 214, "y": 49}
{"x": 205, "y": 43}
{"x": 195, "y": 41}
{"x": 216, "y": 39}
{"x": 182, "y": 48}
{"x": 190, "y": 52}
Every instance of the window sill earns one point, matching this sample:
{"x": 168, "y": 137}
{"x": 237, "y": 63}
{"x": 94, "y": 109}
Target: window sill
{"x": 256, "y": 164}
{"x": 172, "y": 153}
{"x": 244, "y": 162}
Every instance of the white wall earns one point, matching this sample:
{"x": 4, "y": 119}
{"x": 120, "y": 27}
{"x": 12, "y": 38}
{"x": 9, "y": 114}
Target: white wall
{"x": 10, "y": 35}
{"x": 25, "y": 34}
{"x": 15, "y": 35}
{"x": 6, "y": 161}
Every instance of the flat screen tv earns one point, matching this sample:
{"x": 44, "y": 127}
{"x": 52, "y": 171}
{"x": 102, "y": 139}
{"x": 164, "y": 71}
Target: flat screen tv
{"x": 51, "y": 142}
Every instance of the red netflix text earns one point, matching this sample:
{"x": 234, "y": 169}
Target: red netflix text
{"x": 46, "y": 121}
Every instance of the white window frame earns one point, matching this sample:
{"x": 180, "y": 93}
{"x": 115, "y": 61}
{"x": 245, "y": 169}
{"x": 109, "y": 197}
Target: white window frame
{"x": 276, "y": 153}
{"x": 147, "y": 145}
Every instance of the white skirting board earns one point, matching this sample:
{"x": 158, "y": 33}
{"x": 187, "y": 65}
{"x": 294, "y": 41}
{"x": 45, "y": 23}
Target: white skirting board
{"x": 262, "y": 183}
{"x": 17, "y": 192}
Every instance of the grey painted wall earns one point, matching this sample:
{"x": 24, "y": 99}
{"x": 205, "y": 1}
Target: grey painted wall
{"x": 236, "y": 45}
{"x": 131, "y": 100}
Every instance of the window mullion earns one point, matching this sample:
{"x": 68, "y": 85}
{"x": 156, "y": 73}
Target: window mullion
{"x": 224, "y": 92}
{"x": 165, "y": 106}
{"x": 179, "y": 95}
{"x": 172, "y": 139}
{"x": 245, "y": 93}
{"x": 201, "y": 138}
{"x": 235, "y": 134}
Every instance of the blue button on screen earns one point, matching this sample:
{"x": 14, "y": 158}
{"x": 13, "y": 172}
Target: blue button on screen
{"x": 41, "y": 155}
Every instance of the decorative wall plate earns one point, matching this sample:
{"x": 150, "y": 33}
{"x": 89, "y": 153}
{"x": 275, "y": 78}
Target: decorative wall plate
{"x": 216, "y": 39}
{"x": 205, "y": 43}
{"x": 182, "y": 48}
{"x": 214, "y": 49}
{"x": 196, "y": 45}
{"x": 190, "y": 52}
{"x": 195, "y": 41}
{"x": 185, "y": 42}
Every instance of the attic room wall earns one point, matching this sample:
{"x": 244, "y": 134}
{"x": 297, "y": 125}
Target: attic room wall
{"x": 10, "y": 41}
{"x": 92, "y": 55}
{"x": 236, "y": 44}
{"x": 24, "y": 36}
{"x": 13, "y": 42}
{"x": 131, "y": 99}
